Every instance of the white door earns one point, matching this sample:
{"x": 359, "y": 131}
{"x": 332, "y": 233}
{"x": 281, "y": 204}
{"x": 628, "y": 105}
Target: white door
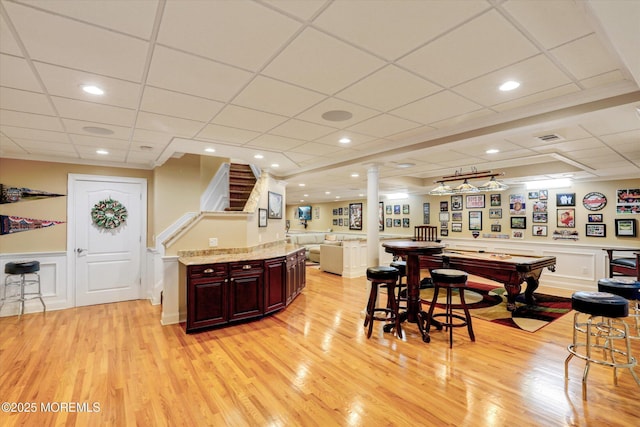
{"x": 107, "y": 260}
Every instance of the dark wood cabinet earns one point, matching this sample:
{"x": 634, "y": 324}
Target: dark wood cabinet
{"x": 222, "y": 293}
{"x": 275, "y": 284}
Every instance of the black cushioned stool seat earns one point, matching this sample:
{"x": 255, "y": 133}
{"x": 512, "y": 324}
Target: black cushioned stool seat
{"x": 387, "y": 277}
{"x": 629, "y": 289}
{"x": 600, "y": 334}
{"x": 448, "y": 279}
{"x": 22, "y": 275}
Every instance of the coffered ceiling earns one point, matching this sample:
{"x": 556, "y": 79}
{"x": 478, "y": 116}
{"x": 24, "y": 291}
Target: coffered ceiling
{"x": 419, "y": 80}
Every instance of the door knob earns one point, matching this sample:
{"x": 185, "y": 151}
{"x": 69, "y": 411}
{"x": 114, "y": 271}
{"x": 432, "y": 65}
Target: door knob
{"x": 80, "y": 250}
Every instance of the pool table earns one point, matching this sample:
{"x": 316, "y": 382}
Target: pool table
{"x": 508, "y": 269}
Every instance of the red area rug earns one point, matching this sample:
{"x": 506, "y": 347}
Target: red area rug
{"x": 489, "y": 302}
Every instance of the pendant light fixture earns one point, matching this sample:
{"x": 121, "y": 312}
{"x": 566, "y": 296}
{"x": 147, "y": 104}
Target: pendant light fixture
{"x": 492, "y": 185}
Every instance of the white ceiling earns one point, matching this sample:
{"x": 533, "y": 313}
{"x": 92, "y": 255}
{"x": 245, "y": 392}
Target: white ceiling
{"x": 420, "y": 79}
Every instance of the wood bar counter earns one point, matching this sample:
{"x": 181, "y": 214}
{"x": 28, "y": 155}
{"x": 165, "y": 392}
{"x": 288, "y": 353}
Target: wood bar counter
{"x": 226, "y": 288}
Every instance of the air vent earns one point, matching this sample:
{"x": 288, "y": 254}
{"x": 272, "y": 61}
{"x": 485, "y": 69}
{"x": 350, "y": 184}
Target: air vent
{"x": 552, "y": 137}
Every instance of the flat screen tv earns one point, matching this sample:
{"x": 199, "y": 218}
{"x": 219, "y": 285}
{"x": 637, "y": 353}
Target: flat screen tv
{"x": 304, "y": 212}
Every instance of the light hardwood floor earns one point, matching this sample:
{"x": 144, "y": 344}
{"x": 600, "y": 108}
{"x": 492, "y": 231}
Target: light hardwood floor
{"x": 309, "y": 365}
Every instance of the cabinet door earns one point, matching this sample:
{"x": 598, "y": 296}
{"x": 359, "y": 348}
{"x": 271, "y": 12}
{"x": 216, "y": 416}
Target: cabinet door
{"x": 292, "y": 277}
{"x": 246, "y": 290}
{"x": 302, "y": 271}
{"x": 274, "y": 284}
{"x": 207, "y": 289}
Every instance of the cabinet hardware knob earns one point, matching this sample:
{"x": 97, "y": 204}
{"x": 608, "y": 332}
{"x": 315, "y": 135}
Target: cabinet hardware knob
{"x": 246, "y": 267}
{"x": 208, "y": 270}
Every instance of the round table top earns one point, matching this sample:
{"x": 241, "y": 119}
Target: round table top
{"x": 418, "y": 246}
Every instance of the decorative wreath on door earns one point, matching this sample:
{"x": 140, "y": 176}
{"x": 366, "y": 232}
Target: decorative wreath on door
{"x": 109, "y": 214}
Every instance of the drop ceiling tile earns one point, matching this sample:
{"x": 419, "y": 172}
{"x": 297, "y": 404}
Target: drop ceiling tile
{"x": 625, "y": 143}
{"x": 525, "y": 101}
{"x": 274, "y": 142}
{"x": 148, "y": 137}
{"x": 89, "y": 153}
{"x": 8, "y": 147}
{"x": 7, "y": 41}
{"x": 315, "y": 113}
{"x": 40, "y": 147}
{"x": 552, "y": 23}
{"x": 301, "y": 9}
{"x": 178, "y": 104}
{"x": 535, "y": 75}
{"x": 270, "y": 95}
{"x": 240, "y": 33}
{"x": 186, "y": 73}
{"x": 133, "y": 17}
{"x": 245, "y": 118}
{"x": 388, "y": 88}
{"x": 29, "y": 102}
{"x": 167, "y": 124}
{"x": 68, "y": 83}
{"x": 567, "y": 147}
{"x": 142, "y": 159}
{"x": 485, "y": 44}
{"x": 418, "y": 134}
{"x": 355, "y": 137}
{"x": 315, "y": 149}
{"x": 300, "y": 129}
{"x": 462, "y": 119}
{"x": 601, "y": 151}
{"x": 436, "y": 107}
{"x": 97, "y": 142}
{"x": 90, "y": 111}
{"x": 16, "y": 73}
{"x": 57, "y": 40}
{"x": 26, "y": 120}
{"x": 226, "y": 134}
{"x": 612, "y": 121}
{"x": 399, "y": 26}
{"x": 384, "y": 125}
{"x": 321, "y": 63}
{"x": 586, "y": 57}
{"x": 603, "y": 79}
{"x": 75, "y": 127}
{"x": 34, "y": 134}
{"x": 300, "y": 157}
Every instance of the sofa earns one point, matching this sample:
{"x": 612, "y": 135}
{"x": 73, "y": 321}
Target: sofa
{"x": 312, "y": 241}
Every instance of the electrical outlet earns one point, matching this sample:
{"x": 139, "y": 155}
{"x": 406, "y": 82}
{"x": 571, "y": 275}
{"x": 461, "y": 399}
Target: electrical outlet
{"x": 213, "y": 242}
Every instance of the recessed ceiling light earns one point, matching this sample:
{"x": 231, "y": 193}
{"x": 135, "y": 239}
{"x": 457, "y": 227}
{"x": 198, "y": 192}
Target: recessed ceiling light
{"x": 97, "y": 130}
{"x": 337, "y": 197}
{"x": 301, "y": 200}
{"x": 301, "y": 185}
{"x": 146, "y": 148}
{"x": 344, "y": 140}
{"x": 102, "y": 152}
{"x": 258, "y": 156}
{"x": 337, "y": 115}
{"x": 327, "y": 192}
{"x": 305, "y": 195}
{"x": 360, "y": 195}
{"x": 275, "y": 165}
{"x": 210, "y": 150}
{"x": 354, "y": 175}
{"x": 492, "y": 151}
{"x": 405, "y": 165}
{"x": 93, "y": 90}
{"x": 509, "y": 85}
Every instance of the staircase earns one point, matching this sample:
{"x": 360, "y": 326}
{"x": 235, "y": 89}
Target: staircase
{"x": 241, "y": 183}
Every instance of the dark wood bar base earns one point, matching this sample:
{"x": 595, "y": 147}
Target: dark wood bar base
{"x": 219, "y": 294}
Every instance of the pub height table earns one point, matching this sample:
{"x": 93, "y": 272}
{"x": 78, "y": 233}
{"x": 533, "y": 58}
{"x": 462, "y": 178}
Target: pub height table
{"x": 411, "y": 251}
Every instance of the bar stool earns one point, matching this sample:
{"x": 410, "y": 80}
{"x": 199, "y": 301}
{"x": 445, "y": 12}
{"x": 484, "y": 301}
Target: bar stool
{"x": 401, "y": 266}
{"x": 603, "y": 322}
{"x": 630, "y": 290}
{"x": 17, "y": 276}
{"x": 386, "y": 276}
{"x": 448, "y": 279}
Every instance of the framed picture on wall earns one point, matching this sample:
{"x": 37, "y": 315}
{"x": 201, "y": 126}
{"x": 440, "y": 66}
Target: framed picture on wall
{"x": 397, "y": 222}
{"x": 519, "y": 222}
{"x": 496, "y": 200}
{"x": 595, "y": 217}
{"x": 475, "y": 220}
{"x": 625, "y": 227}
{"x": 475, "y": 201}
{"x": 426, "y": 213}
{"x": 539, "y": 230}
{"x": 275, "y": 205}
{"x": 596, "y": 230}
{"x": 456, "y": 227}
{"x": 495, "y": 213}
{"x": 388, "y": 209}
{"x": 405, "y": 209}
{"x": 456, "y": 203}
{"x": 262, "y": 217}
{"x": 566, "y": 199}
{"x": 540, "y": 217}
{"x": 405, "y": 222}
{"x": 456, "y": 216}
{"x": 355, "y": 216}
{"x": 566, "y": 218}
{"x": 389, "y": 222}
{"x": 381, "y": 216}
{"x": 396, "y": 209}
{"x": 496, "y": 228}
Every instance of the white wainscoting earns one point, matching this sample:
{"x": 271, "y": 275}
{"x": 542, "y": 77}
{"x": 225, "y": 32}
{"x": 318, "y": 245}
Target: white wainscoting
{"x": 55, "y": 287}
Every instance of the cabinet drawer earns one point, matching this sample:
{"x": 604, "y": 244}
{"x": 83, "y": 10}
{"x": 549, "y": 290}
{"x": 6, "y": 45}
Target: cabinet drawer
{"x": 207, "y": 270}
{"x": 245, "y": 267}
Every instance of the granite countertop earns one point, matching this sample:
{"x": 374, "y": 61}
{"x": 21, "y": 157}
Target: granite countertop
{"x": 201, "y": 257}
